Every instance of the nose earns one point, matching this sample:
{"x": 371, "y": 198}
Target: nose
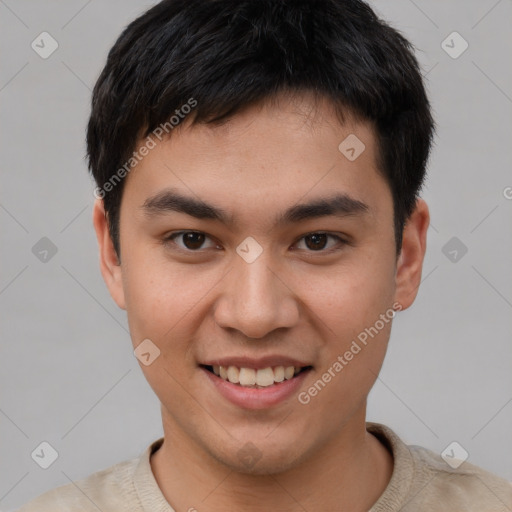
{"x": 255, "y": 298}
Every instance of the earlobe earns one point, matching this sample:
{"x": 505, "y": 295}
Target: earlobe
{"x": 410, "y": 261}
{"x": 109, "y": 265}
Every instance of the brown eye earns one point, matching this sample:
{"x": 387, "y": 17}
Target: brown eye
{"x": 316, "y": 241}
{"x": 320, "y": 242}
{"x": 191, "y": 241}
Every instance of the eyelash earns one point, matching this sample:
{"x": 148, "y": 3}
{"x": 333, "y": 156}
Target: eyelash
{"x": 341, "y": 242}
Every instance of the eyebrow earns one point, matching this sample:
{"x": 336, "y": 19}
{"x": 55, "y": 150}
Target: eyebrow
{"x": 169, "y": 200}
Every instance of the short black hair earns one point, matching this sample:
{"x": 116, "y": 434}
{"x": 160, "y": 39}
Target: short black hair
{"x": 227, "y": 55}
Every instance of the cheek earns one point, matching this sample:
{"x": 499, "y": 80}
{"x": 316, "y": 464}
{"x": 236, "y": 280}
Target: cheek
{"x": 353, "y": 296}
{"x": 350, "y": 304}
{"x": 159, "y": 296}
{"x": 354, "y": 349}
{"x": 162, "y": 302}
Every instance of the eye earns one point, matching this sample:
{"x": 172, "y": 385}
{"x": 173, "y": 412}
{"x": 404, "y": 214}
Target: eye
{"x": 318, "y": 242}
{"x": 193, "y": 241}
{"x": 190, "y": 240}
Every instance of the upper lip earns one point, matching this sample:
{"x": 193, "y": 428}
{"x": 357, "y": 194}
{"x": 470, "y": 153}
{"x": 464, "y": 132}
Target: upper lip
{"x": 250, "y": 362}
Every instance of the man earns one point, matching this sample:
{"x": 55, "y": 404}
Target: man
{"x": 258, "y": 169}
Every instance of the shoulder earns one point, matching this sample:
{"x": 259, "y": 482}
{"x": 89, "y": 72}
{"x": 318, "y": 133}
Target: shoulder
{"x": 106, "y": 490}
{"x": 460, "y": 483}
{"x": 423, "y": 481}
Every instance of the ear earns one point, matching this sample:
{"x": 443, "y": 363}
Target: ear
{"x": 109, "y": 265}
{"x": 410, "y": 261}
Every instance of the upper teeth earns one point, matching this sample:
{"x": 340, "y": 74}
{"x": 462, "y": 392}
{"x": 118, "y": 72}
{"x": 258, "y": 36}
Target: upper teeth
{"x": 250, "y": 377}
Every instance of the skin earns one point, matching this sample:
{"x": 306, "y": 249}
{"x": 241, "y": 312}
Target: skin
{"x": 292, "y": 300}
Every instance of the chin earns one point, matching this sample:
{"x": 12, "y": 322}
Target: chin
{"x": 250, "y": 460}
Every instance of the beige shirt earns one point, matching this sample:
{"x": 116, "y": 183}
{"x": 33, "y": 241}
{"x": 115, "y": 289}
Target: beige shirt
{"x": 421, "y": 481}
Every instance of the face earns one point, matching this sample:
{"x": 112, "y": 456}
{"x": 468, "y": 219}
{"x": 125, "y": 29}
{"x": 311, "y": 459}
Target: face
{"x": 258, "y": 249}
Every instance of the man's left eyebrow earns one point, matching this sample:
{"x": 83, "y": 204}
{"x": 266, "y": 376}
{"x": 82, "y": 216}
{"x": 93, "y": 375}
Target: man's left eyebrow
{"x": 340, "y": 205}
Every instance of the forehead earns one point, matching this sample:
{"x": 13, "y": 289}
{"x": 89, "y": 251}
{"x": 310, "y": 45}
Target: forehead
{"x": 267, "y": 156}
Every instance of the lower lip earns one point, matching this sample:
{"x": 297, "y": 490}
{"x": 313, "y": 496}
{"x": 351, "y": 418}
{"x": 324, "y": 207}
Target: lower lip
{"x": 256, "y": 398}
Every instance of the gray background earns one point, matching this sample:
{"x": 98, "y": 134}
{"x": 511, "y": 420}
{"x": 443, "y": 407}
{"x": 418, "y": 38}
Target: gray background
{"x": 68, "y": 374}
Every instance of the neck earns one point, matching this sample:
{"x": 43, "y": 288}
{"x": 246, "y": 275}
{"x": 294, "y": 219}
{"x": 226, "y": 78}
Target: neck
{"x": 349, "y": 472}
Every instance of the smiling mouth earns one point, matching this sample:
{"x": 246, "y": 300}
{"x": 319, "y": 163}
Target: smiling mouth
{"x": 256, "y": 378}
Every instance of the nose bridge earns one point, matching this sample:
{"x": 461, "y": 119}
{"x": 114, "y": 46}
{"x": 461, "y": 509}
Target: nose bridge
{"x": 254, "y": 300}
{"x": 255, "y": 279}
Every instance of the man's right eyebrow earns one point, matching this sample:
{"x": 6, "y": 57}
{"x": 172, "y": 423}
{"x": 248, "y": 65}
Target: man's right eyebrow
{"x": 170, "y": 200}
{"x": 338, "y": 205}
